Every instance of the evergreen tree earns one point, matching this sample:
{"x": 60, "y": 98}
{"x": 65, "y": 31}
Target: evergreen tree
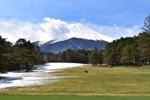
{"x": 94, "y": 57}
{"x": 122, "y": 51}
{"x": 101, "y": 57}
{"x": 130, "y": 53}
{"x": 144, "y": 42}
{"x": 25, "y": 53}
{"x": 5, "y": 49}
{"x": 144, "y": 47}
{"x": 110, "y": 54}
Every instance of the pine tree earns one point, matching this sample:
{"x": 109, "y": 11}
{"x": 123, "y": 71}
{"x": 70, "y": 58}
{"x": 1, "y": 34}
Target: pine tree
{"x": 144, "y": 42}
{"x": 146, "y": 26}
{"x": 25, "y": 53}
{"x": 5, "y": 49}
{"x": 94, "y": 57}
{"x": 144, "y": 47}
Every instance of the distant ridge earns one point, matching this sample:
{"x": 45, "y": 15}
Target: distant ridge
{"x": 73, "y": 43}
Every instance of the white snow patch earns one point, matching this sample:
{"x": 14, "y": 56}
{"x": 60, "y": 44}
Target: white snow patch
{"x": 41, "y": 43}
{"x": 42, "y": 75}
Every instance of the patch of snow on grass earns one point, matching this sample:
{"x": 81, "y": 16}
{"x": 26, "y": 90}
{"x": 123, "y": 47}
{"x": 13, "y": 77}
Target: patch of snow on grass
{"x": 40, "y": 76}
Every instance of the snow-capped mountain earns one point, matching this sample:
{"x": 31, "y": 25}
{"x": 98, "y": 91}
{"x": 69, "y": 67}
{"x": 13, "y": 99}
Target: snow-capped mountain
{"x": 76, "y": 30}
{"x": 74, "y": 44}
{"x": 77, "y": 36}
{"x": 71, "y": 36}
{"x": 80, "y": 31}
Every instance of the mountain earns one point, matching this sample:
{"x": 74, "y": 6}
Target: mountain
{"x": 67, "y": 31}
{"x": 74, "y": 44}
{"x": 42, "y": 43}
{"x": 81, "y": 31}
{"x": 39, "y": 43}
{"x": 74, "y": 36}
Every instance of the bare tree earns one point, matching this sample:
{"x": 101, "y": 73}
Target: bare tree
{"x": 146, "y": 26}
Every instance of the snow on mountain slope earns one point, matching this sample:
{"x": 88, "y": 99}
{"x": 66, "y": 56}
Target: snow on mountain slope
{"x": 39, "y": 43}
{"x": 80, "y": 31}
{"x": 77, "y": 30}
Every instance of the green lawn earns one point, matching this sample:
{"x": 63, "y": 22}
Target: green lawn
{"x": 118, "y": 82}
{"x": 5, "y": 97}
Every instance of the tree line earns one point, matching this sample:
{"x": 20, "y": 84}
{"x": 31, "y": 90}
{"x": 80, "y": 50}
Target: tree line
{"x": 80, "y": 56}
{"x": 23, "y": 55}
{"x": 130, "y": 50}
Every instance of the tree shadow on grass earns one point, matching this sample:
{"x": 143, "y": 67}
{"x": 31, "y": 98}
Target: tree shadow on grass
{"x": 7, "y": 80}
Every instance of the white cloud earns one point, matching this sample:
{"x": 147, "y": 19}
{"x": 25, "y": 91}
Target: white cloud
{"x": 51, "y": 29}
{"x": 82, "y": 20}
{"x": 47, "y": 30}
{"x": 132, "y": 31}
{"x": 115, "y": 31}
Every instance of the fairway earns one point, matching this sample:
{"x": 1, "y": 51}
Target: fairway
{"x": 70, "y": 98}
{"x": 99, "y": 81}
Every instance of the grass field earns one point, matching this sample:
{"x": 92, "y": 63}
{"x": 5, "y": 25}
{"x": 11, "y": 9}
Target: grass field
{"x": 4, "y": 97}
{"x": 101, "y": 82}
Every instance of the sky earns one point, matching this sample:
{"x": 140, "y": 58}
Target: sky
{"x": 114, "y": 18}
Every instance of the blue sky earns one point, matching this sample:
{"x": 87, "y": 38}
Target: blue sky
{"x": 125, "y": 14}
